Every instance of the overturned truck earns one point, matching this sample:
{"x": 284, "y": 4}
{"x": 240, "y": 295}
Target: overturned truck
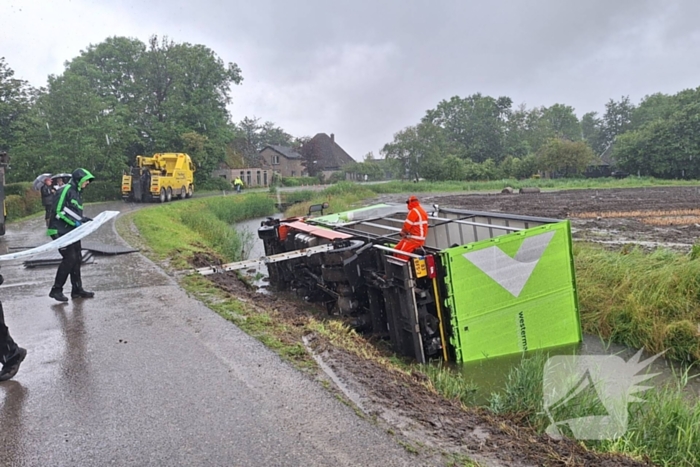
{"x": 484, "y": 284}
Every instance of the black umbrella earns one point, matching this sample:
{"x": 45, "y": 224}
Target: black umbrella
{"x": 39, "y": 181}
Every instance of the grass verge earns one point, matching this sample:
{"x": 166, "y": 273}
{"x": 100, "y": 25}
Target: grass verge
{"x": 641, "y": 299}
{"x": 664, "y": 427}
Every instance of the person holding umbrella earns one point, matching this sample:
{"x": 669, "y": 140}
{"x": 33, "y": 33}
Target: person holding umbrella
{"x": 66, "y": 215}
{"x": 44, "y": 184}
{"x": 59, "y": 180}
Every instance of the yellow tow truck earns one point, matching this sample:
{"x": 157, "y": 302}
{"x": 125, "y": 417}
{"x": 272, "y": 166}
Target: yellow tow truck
{"x": 159, "y": 178}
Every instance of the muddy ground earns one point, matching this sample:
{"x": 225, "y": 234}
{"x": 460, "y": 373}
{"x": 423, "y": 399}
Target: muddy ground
{"x": 438, "y": 430}
{"x": 406, "y": 403}
{"x": 666, "y": 217}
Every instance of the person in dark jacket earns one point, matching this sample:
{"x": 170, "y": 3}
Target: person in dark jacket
{"x": 11, "y": 355}
{"x": 47, "y": 192}
{"x": 66, "y": 215}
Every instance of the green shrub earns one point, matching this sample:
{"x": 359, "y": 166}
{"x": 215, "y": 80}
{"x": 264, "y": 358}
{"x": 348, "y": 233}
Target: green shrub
{"x": 299, "y": 181}
{"x": 102, "y": 190}
{"x": 215, "y": 184}
{"x": 19, "y": 188}
{"x": 19, "y": 206}
{"x": 15, "y": 207}
{"x": 294, "y": 197}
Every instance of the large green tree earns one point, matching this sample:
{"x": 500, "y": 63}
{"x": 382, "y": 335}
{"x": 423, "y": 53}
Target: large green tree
{"x": 419, "y": 150}
{"x": 476, "y": 123}
{"x": 617, "y": 119}
{"x": 121, "y": 98}
{"x": 667, "y": 144}
{"x": 258, "y": 135}
{"x": 564, "y": 157}
{"x": 15, "y": 103}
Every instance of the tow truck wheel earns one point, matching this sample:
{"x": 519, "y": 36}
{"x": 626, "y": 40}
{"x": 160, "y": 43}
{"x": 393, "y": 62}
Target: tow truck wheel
{"x": 169, "y": 194}
{"x": 162, "y": 195}
{"x": 190, "y": 191}
{"x": 183, "y": 193}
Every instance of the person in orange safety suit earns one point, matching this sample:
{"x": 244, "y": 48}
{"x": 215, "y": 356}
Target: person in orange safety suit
{"x": 415, "y": 228}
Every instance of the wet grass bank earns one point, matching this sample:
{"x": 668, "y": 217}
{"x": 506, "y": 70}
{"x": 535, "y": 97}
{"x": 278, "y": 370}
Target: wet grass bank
{"x": 664, "y": 427}
{"x": 641, "y": 299}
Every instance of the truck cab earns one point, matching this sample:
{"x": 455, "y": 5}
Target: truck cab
{"x": 159, "y": 178}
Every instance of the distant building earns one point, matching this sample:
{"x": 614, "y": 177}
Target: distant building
{"x": 323, "y": 155}
{"x": 601, "y": 166}
{"x": 243, "y": 160}
{"x": 283, "y": 160}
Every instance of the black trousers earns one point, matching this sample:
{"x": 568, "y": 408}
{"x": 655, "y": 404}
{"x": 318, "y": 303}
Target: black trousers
{"x": 7, "y": 345}
{"x": 70, "y": 266}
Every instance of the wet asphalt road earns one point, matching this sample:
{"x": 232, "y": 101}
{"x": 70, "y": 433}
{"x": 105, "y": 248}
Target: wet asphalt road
{"x": 144, "y": 375}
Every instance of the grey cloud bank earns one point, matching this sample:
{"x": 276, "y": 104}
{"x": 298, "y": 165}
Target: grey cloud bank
{"x": 366, "y": 69}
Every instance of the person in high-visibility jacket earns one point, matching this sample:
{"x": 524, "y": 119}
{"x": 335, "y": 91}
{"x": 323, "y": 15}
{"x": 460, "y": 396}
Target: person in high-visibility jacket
{"x": 415, "y": 228}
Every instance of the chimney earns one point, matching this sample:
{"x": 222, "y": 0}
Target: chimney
{"x": 332, "y": 138}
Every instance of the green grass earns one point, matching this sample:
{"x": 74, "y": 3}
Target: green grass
{"x": 664, "y": 427}
{"x": 175, "y": 231}
{"x": 450, "y": 384}
{"x": 640, "y": 299}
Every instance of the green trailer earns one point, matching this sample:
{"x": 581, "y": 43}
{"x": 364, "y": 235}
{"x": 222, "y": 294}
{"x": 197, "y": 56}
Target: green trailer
{"x": 484, "y": 284}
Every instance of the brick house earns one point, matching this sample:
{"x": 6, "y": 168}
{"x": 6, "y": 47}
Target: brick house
{"x": 243, "y": 160}
{"x": 283, "y": 160}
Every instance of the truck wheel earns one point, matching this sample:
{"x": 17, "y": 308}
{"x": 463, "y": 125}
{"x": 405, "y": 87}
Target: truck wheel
{"x": 190, "y": 191}
{"x": 183, "y": 193}
{"x": 169, "y": 194}
{"x": 162, "y": 195}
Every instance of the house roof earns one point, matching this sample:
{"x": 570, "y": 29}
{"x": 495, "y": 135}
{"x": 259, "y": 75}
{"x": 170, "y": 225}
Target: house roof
{"x": 285, "y": 151}
{"x": 328, "y": 154}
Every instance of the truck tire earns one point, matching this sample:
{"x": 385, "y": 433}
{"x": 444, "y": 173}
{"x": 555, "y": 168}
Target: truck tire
{"x": 169, "y": 194}
{"x": 183, "y": 193}
{"x": 190, "y": 191}
{"x": 162, "y": 195}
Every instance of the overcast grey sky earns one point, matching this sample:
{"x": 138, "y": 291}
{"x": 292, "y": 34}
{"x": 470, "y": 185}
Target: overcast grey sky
{"x": 365, "y": 69}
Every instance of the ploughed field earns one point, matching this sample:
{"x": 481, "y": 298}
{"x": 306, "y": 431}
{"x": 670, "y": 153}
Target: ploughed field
{"x": 651, "y": 217}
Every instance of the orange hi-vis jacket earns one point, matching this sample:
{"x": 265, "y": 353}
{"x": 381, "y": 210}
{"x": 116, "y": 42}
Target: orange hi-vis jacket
{"x": 416, "y": 224}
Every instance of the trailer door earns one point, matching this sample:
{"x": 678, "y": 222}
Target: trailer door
{"x": 512, "y": 293}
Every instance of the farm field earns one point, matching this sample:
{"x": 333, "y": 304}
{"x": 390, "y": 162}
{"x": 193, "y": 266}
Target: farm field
{"x": 651, "y": 217}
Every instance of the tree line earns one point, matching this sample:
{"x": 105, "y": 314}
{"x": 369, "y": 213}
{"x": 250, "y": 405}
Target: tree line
{"x": 123, "y": 97}
{"x": 481, "y": 137}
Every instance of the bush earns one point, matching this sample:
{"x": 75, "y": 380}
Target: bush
{"x": 102, "y": 190}
{"x": 298, "y": 181}
{"x": 15, "y": 207}
{"x": 24, "y": 203}
{"x": 19, "y": 188}
{"x": 299, "y": 196}
{"x": 220, "y": 184}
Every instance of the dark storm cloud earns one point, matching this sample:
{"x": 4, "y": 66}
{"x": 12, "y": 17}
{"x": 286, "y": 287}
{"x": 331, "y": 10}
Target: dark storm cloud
{"x": 366, "y": 69}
